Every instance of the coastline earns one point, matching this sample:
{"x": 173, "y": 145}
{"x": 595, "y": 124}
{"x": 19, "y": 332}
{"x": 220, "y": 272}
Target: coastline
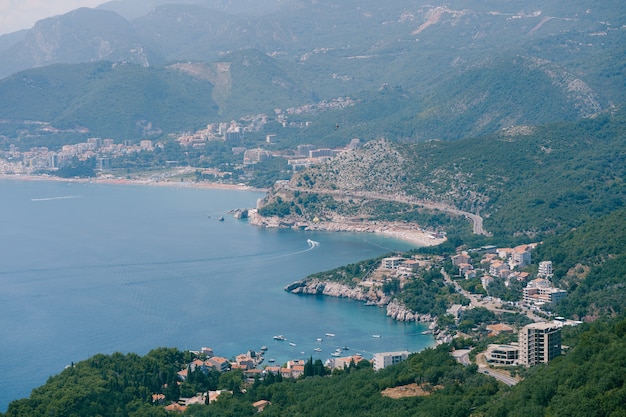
{"x": 401, "y": 231}
{"x": 395, "y": 230}
{"x": 132, "y": 181}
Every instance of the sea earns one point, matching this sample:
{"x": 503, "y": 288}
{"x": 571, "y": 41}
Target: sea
{"x": 89, "y": 268}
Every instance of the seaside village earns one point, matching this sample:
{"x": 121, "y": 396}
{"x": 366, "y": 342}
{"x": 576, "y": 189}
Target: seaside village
{"x": 538, "y": 342}
{"x": 15, "y": 161}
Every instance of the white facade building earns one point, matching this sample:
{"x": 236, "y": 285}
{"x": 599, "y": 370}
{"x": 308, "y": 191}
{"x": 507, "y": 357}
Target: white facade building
{"x": 385, "y": 359}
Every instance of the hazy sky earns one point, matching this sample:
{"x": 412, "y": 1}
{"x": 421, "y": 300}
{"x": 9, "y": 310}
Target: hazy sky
{"x": 22, "y": 14}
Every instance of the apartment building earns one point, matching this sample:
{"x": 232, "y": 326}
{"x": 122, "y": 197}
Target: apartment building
{"x": 385, "y": 359}
{"x": 539, "y": 343}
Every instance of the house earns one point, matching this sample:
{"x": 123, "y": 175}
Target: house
{"x": 455, "y": 310}
{"x": 463, "y": 268}
{"x": 218, "y": 363}
{"x": 496, "y": 329}
{"x": 183, "y": 374}
{"x": 520, "y": 256}
{"x": 253, "y": 373}
{"x": 461, "y": 258}
{"x": 158, "y": 398}
{"x": 498, "y": 268}
{"x": 214, "y": 394}
{"x": 244, "y": 361}
{"x": 485, "y": 280}
{"x": 260, "y": 405}
{"x": 273, "y": 369}
{"x": 207, "y": 351}
{"x": 297, "y": 371}
{"x": 469, "y": 274}
{"x": 175, "y": 407}
{"x": 344, "y": 362}
{"x": 505, "y": 253}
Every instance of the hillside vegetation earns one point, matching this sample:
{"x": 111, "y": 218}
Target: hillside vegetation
{"x": 588, "y": 380}
{"x": 531, "y": 181}
{"x": 416, "y": 71}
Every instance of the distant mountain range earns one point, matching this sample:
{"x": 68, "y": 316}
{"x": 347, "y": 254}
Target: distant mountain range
{"x": 443, "y": 70}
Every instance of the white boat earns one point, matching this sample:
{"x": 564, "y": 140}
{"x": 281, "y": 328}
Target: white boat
{"x": 330, "y": 334}
{"x": 271, "y": 360}
{"x": 318, "y": 349}
{"x": 335, "y": 354}
{"x": 291, "y": 344}
{"x": 280, "y": 337}
{"x": 319, "y": 339}
{"x": 377, "y": 336}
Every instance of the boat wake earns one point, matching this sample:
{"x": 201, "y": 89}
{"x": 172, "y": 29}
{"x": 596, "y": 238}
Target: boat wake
{"x": 65, "y": 197}
{"x": 312, "y": 243}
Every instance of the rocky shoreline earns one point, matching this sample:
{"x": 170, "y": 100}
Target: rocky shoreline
{"x": 402, "y": 231}
{"x": 394, "y": 308}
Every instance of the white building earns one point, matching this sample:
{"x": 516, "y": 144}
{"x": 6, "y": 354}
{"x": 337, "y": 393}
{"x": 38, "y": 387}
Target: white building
{"x": 539, "y": 291}
{"x": 392, "y": 262}
{"x": 545, "y": 269}
{"x": 385, "y": 359}
{"x": 502, "y": 354}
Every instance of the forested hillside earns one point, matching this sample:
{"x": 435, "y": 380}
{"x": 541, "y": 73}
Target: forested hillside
{"x": 531, "y": 181}
{"x": 417, "y": 70}
{"x": 590, "y": 263}
{"x": 588, "y": 380}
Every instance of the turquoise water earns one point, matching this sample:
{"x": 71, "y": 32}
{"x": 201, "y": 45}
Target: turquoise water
{"x": 94, "y": 268}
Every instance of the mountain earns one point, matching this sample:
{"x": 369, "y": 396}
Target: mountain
{"x": 417, "y": 71}
{"x": 83, "y": 35}
{"x": 108, "y": 99}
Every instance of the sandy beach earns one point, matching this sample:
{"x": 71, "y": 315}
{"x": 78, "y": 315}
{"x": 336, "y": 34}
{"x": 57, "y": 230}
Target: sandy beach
{"x": 135, "y": 181}
{"x": 402, "y": 231}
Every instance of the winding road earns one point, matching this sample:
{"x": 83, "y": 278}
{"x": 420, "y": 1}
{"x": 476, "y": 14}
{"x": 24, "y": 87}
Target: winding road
{"x": 477, "y": 221}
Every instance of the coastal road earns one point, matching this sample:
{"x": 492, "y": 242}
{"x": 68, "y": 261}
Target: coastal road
{"x": 477, "y": 221}
{"x": 499, "y": 376}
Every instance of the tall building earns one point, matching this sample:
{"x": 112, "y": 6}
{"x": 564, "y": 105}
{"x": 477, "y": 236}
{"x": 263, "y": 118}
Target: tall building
{"x": 539, "y": 343}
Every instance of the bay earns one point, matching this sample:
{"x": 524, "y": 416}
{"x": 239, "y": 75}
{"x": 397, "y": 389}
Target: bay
{"x": 96, "y": 268}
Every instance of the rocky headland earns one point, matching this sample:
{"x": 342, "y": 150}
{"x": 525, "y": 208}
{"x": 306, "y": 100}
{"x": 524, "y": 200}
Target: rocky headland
{"x": 394, "y": 308}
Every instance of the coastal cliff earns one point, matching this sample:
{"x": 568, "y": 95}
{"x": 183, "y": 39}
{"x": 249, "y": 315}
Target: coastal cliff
{"x": 394, "y": 309}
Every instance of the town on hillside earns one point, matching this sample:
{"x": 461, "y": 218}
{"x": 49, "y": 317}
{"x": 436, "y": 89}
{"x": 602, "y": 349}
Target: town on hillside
{"x": 36, "y": 160}
{"x": 533, "y": 340}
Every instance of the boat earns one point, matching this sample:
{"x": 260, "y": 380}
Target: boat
{"x": 319, "y": 339}
{"x": 427, "y": 332}
{"x": 345, "y": 348}
{"x": 291, "y": 344}
{"x": 271, "y": 360}
{"x": 330, "y": 334}
{"x": 280, "y": 337}
{"x": 263, "y": 348}
{"x": 335, "y": 354}
{"x": 318, "y": 349}
{"x": 377, "y": 336}
{"x": 221, "y": 218}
